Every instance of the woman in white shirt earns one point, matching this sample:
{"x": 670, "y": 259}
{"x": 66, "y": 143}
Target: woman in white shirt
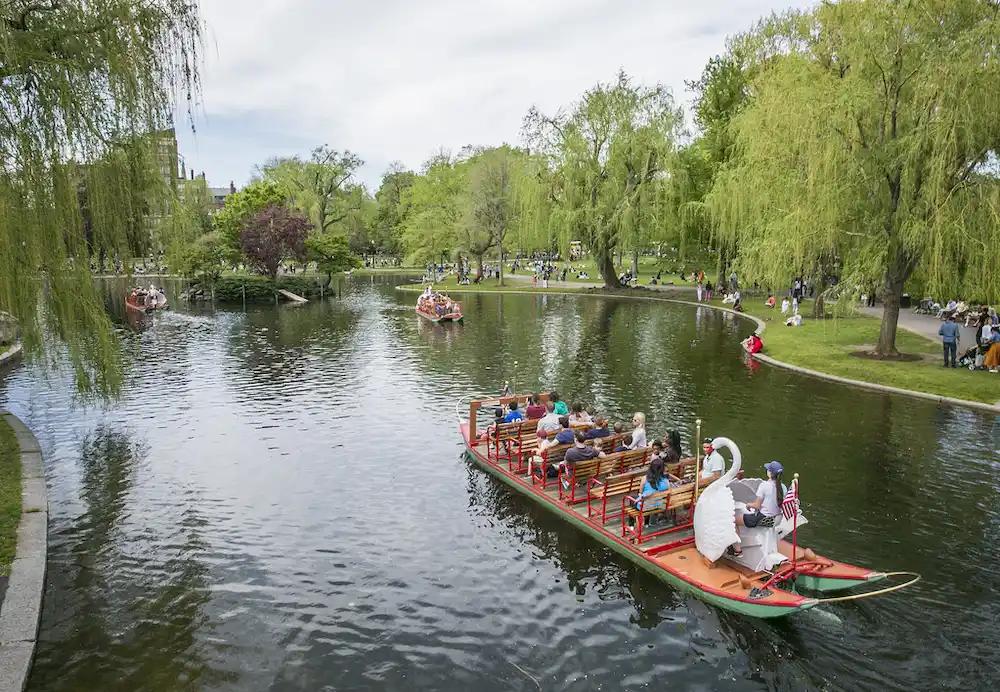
{"x": 638, "y": 430}
{"x": 766, "y": 506}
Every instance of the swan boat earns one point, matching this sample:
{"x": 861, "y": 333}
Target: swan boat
{"x": 143, "y": 302}
{"x": 766, "y": 581}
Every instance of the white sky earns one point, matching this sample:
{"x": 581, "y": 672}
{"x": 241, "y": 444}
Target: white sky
{"x": 394, "y": 80}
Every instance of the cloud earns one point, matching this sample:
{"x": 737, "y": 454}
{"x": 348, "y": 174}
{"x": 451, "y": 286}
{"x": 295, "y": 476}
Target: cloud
{"x": 394, "y": 80}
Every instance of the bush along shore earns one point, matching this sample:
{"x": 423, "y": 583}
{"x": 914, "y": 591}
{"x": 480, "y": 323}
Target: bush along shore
{"x": 256, "y": 289}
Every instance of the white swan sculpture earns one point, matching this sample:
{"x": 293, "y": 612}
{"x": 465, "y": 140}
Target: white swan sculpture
{"x": 715, "y": 512}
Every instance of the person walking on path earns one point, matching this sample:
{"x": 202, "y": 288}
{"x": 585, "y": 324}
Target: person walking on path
{"x": 950, "y": 336}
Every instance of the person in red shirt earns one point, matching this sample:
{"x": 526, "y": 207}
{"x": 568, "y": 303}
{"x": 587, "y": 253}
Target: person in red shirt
{"x": 535, "y": 408}
{"x": 753, "y": 344}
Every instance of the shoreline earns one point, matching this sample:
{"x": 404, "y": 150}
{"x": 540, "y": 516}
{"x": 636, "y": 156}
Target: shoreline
{"x": 761, "y": 326}
{"x": 21, "y": 610}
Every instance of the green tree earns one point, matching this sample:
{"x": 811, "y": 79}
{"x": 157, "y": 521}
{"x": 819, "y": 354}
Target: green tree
{"x": 78, "y": 80}
{"x": 332, "y": 253}
{"x": 607, "y": 151}
{"x": 320, "y": 187}
{"x": 490, "y": 202}
{"x": 240, "y": 207}
{"x": 204, "y": 258}
{"x": 391, "y": 211}
{"x": 434, "y": 203}
{"x": 867, "y": 139}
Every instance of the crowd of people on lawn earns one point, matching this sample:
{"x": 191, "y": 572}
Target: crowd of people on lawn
{"x": 985, "y": 355}
{"x": 561, "y": 424}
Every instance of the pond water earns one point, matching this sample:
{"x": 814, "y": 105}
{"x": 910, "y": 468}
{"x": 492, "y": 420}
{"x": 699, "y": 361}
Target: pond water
{"x": 280, "y": 500}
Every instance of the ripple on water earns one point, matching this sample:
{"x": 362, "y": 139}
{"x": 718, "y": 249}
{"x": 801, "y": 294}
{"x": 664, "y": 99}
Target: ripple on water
{"x": 279, "y": 501}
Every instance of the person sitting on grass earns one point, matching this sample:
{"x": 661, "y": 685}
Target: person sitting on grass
{"x": 991, "y": 359}
{"x": 753, "y": 344}
{"x": 770, "y": 301}
{"x": 794, "y": 321}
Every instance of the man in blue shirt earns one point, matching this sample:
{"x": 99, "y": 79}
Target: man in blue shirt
{"x": 514, "y": 414}
{"x": 600, "y": 429}
{"x": 950, "y": 336}
{"x": 565, "y": 436}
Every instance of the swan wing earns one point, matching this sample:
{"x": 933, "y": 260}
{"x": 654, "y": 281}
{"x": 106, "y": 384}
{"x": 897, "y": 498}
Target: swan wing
{"x": 714, "y": 521}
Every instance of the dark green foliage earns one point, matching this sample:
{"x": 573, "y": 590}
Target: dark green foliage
{"x": 260, "y": 289}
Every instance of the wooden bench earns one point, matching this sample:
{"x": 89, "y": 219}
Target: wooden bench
{"x": 599, "y": 467}
{"x": 552, "y": 456}
{"x": 681, "y": 497}
{"x": 599, "y": 491}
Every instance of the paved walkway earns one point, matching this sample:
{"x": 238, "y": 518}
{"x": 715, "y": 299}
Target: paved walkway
{"x": 926, "y": 325}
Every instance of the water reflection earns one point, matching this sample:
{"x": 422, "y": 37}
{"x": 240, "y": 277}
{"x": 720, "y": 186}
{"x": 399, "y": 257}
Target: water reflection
{"x": 279, "y": 501}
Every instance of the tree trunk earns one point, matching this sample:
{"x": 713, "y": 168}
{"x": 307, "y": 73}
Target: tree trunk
{"x": 722, "y": 281}
{"x": 819, "y": 306}
{"x": 479, "y": 267}
{"x": 606, "y": 265}
{"x": 500, "y": 274}
{"x": 635, "y": 264}
{"x": 893, "y": 291}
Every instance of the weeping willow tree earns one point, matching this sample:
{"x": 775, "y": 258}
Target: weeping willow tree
{"x": 868, "y": 143}
{"x": 433, "y": 202}
{"x": 83, "y": 85}
{"x": 607, "y": 152}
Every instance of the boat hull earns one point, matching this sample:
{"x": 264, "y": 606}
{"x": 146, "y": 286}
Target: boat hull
{"x": 783, "y": 603}
{"x": 436, "y": 319}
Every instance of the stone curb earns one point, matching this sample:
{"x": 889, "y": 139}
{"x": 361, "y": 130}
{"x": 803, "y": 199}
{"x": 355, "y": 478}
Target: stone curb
{"x": 982, "y": 406}
{"x": 22, "y": 604}
{"x": 11, "y": 354}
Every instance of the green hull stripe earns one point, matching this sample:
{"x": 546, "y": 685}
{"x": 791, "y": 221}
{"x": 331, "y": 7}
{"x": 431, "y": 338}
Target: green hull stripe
{"x": 754, "y": 610}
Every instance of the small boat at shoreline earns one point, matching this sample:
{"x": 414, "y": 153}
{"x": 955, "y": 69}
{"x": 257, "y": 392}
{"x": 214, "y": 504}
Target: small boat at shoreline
{"x": 438, "y": 307}
{"x": 599, "y": 497}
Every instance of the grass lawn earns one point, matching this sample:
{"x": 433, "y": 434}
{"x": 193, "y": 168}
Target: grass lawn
{"x": 827, "y": 345}
{"x": 10, "y": 495}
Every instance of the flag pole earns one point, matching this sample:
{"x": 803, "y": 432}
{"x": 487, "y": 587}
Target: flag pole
{"x": 697, "y": 458}
{"x": 795, "y": 523}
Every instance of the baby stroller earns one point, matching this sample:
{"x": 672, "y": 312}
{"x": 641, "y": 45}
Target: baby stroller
{"x": 971, "y": 359}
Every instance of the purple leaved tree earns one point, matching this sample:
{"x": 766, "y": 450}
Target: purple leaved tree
{"x": 272, "y": 235}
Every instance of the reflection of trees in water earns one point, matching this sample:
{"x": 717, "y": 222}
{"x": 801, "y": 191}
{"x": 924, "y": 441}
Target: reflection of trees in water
{"x": 274, "y": 348}
{"x": 141, "y": 612}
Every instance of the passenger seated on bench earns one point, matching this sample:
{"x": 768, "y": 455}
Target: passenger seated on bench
{"x": 672, "y": 448}
{"x": 550, "y": 421}
{"x": 581, "y": 450}
{"x": 638, "y": 430}
{"x": 624, "y": 444}
{"x": 656, "y": 481}
{"x": 565, "y": 435}
{"x": 579, "y": 415}
{"x": 619, "y": 428}
{"x": 535, "y": 409}
{"x": 600, "y": 428}
{"x": 559, "y": 405}
{"x": 766, "y": 506}
{"x": 714, "y": 464}
{"x": 513, "y": 415}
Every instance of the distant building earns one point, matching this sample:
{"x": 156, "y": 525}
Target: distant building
{"x": 219, "y": 194}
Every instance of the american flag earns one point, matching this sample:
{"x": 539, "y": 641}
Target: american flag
{"x": 790, "y": 505}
